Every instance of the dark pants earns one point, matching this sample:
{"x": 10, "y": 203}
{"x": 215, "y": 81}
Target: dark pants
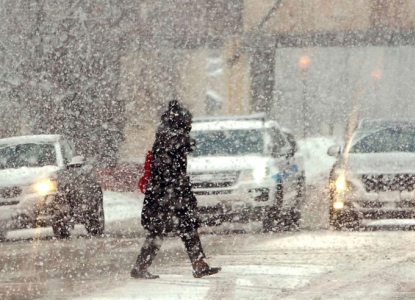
{"x": 153, "y": 243}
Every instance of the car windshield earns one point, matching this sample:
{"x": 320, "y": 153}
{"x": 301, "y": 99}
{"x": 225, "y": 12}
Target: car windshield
{"x": 228, "y": 142}
{"x": 27, "y": 155}
{"x": 387, "y": 140}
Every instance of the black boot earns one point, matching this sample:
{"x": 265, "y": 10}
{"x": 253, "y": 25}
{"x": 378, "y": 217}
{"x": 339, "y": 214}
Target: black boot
{"x": 200, "y": 269}
{"x": 142, "y": 274}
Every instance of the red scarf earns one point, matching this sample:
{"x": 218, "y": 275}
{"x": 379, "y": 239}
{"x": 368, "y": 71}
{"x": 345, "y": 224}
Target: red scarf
{"x": 142, "y": 183}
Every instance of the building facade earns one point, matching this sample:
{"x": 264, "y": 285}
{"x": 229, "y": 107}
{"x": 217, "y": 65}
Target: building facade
{"x": 239, "y": 56}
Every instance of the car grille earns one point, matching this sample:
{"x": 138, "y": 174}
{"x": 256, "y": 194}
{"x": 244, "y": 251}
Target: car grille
{"x": 10, "y": 192}
{"x": 213, "y": 180}
{"x": 389, "y": 182}
{"x": 404, "y": 204}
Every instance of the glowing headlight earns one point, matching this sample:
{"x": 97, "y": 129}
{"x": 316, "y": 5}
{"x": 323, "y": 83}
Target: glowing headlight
{"x": 341, "y": 183}
{"x": 259, "y": 173}
{"x": 338, "y": 205}
{"x": 45, "y": 186}
{"x": 256, "y": 174}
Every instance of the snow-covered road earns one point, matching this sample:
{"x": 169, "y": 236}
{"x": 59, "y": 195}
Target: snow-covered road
{"x": 301, "y": 265}
{"x": 310, "y": 265}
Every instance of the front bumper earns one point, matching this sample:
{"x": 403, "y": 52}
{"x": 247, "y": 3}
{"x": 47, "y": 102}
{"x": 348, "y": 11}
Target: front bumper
{"x": 235, "y": 205}
{"x": 383, "y": 205}
{"x": 32, "y": 210}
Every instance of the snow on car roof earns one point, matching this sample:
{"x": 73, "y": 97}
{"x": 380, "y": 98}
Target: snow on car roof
{"x": 37, "y": 139}
{"x": 233, "y": 125}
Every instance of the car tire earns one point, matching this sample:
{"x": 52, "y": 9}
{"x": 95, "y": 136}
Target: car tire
{"x": 301, "y": 186}
{"x": 95, "y": 219}
{"x": 272, "y": 216}
{"x": 60, "y": 227}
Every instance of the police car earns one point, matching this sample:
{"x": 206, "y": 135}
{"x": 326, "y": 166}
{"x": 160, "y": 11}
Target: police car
{"x": 246, "y": 168}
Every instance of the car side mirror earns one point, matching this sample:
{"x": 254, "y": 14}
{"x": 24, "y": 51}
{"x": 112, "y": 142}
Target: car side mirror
{"x": 334, "y": 150}
{"x": 76, "y": 162}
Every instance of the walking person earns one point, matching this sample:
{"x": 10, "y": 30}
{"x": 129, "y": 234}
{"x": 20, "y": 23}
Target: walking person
{"x": 169, "y": 204}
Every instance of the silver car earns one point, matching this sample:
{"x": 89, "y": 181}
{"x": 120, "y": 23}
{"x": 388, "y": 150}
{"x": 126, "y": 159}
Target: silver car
{"x": 42, "y": 183}
{"x": 373, "y": 181}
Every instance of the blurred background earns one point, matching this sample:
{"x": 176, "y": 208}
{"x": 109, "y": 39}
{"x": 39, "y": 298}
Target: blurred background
{"x": 101, "y": 71}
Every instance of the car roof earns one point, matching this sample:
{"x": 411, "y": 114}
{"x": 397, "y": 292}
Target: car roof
{"x": 31, "y": 139}
{"x": 233, "y": 125}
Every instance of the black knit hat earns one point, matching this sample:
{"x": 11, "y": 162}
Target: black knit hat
{"x": 176, "y": 116}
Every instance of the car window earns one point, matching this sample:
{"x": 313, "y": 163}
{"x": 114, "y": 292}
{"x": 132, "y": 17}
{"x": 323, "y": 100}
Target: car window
{"x": 278, "y": 141}
{"x": 388, "y": 140}
{"x": 228, "y": 142}
{"x": 27, "y": 155}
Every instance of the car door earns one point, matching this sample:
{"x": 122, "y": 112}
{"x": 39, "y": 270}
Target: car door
{"x": 80, "y": 184}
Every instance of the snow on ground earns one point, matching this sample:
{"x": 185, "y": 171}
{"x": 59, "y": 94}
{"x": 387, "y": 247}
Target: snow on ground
{"x": 123, "y": 213}
{"x": 121, "y": 206}
{"x": 307, "y": 265}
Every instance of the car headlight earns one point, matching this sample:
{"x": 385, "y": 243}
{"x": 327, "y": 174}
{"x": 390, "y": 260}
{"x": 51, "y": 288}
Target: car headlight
{"x": 338, "y": 205}
{"x": 261, "y": 173}
{"x": 341, "y": 184}
{"x": 45, "y": 186}
{"x": 256, "y": 174}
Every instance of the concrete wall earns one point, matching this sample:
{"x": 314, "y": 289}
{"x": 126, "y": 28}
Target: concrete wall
{"x": 300, "y": 16}
{"x": 378, "y": 80}
{"x": 183, "y": 49}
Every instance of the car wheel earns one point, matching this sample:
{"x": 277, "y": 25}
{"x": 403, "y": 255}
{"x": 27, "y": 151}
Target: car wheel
{"x": 60, "y": 227}
{"x": 271, "y": 220}
{"x": 301, "y": 186}
{"x": 95, "y": 220}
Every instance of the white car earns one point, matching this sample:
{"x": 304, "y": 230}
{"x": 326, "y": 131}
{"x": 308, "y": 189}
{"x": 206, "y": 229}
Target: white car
{"x": 246, "y": 168}
{"x": 42, "y": 183}
{"x": 374, "y": 178}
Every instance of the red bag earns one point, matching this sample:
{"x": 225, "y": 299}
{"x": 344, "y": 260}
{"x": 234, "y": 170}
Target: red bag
{"x": 142, "y": 183}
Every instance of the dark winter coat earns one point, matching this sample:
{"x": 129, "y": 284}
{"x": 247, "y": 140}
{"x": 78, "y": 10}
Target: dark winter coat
{"x": 169, "y": 204}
